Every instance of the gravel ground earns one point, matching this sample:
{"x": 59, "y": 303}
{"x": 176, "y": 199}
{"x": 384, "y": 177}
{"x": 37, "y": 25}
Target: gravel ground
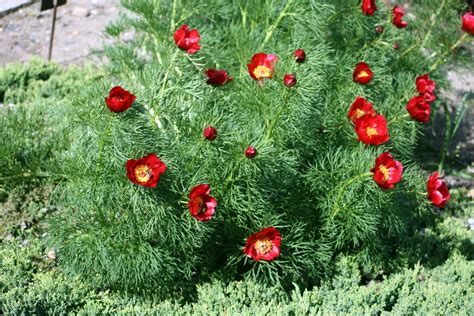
{"x": 26, "y": 32}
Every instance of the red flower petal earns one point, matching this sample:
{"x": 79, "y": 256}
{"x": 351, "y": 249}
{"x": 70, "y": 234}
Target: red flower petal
{"x": 468, "y": 23}
{"x": 359, "y": 108}
{"x": 419, "y": 109}
{"x": 368, "y": 7}
{"x": 372, "y": 130}
{"x": 438, "y": 192}
{"x": 264, "y": 245}
{"x": 187, "y": 40}
{"x": 362, "y": 73}
{"x": 119, "y": 99}
{"x": 145, "y": 171}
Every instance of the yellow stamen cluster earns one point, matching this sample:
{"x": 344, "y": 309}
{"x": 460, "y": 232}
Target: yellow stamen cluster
{"x": 263, "y": 246}
{"x": 143, "y": 173}
{"x": 362, "y": 74}
{"x": 359, "y": 113}
{"x": 384, "y": 171}
{"x": 262, "y": 72}
{"x": 371, "y": 131}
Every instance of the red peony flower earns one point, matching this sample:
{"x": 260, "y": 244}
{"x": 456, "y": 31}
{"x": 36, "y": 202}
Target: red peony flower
{"x": 426, "y": 87}
{"x": 369, "y": 7}
{"x": 250, "y": 152}
{"x": 398, "y": 16}
{"x": 187, "y": 40}
{"x": 299, "y": 55}
{"x": 217, "y": 77}
{"x": 362, "y": 73}
{"x": 210, "y": 133}
{"x": 419, "y": 109}
{"x": 387, "y": 171}
{"x": 437, "y": 190}
{"x": 372, "y": 130}
{"x": 264, "y": 245}
{"x": 468, "y": 23}
{"x": 201, "y": 205}
{"x": 145, "y": 171}
{"x": 262, "y": 66}
{"x": 289, "y": 80}
{"x": 119, "y": 99}
{"x": 359, "y": 108}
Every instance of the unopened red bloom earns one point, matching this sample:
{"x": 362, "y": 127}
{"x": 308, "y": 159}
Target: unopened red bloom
{"x": 368, "y": 7}
{"x": 264, "y": 245}
{"x": 437, "y": 189}
{"x": 262, "y": 66}
{"x": 201, "y": 205}
{"x": 250, "y": 152}
{"x": 289, "y": 80}
{"x": 387, "y": 171}
{"x": 397, "y": 17}
{"x": 299, "y": 55}
{"x": 379, "y": 29}
{"x": 468, "y": 23}
{"x": 426, "y": 87}
{"x": 362, "y": 73}
{"x": 419, "y": 109}
{"x": 187, "y": 40}
{"x": 145, "y": 171}
{"x": 372, "y": 130}
{"x": 210, "y": 133}
{"x": 119, "y": 99}
{"x": 217, "y": 77}
{"x": 359, "y": 108}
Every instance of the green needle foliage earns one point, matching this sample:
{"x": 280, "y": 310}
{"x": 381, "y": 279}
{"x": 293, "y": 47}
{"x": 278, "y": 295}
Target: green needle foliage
{"x": 311, "y": 178}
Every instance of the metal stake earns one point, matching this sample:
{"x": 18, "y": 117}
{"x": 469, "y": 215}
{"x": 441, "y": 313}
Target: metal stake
{"x": 52, "y": 32}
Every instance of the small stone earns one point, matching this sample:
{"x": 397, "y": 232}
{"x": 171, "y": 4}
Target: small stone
{"x": 80, "y": 12}
{"x": 25, "y": 225}
{"x": 9, "y": 237}
{"x": 25, "y": 242}
{"x": 52, "y": 254}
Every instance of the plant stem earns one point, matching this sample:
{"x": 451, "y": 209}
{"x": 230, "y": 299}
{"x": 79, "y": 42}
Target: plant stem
{"x": 447, "y": 137}
{"x": 277, "y": 116}
{"x": 455, "y": 45}
{"x": 173, "y": 16}
{"x": 433, "y": 23}
{"x": 102, "y": 144}
{"x": 274, "y": 25}
{"x": 342, "y": 189}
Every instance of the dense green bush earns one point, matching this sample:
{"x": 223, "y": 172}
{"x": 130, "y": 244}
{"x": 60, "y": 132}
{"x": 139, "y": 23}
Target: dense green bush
{"x": 310, "y": 179}
{"x": 348, "y": 246}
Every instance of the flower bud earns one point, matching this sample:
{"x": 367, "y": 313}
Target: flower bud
{"x": 250, "y": 152}
{"x": 210, "y": 133}
{"x": 299, "y": 55}
{"x": 289, "y": 80}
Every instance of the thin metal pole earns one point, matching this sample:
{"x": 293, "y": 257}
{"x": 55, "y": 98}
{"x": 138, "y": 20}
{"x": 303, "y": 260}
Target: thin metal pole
{"x": 52, "y": 32}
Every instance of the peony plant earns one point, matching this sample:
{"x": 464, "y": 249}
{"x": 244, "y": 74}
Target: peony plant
{"x": 291, "y": 168}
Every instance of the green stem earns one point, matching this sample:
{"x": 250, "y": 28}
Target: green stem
{"x": 433, "y": 24}
{"x": 173, "y": 15}
{"x": 342, "y": 189}
{"x": 274, "y": 25}
{"x": 428, "y": 34}
{"x": 447, "y": 137}
{"x": 455, "y": 45}
{"x": 277, "y": 116}
{"x": 102, "y": 144}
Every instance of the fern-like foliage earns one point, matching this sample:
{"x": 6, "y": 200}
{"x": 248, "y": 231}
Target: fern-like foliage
{"x": 311, "y": 178}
